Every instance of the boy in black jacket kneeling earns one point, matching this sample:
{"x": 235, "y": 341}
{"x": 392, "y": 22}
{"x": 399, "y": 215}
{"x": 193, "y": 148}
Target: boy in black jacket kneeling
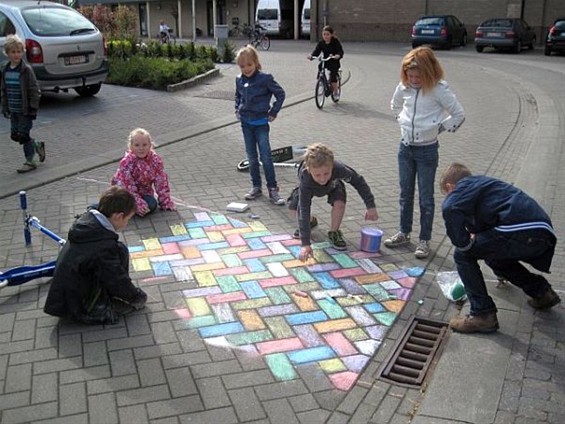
{"x": 91, "y": 283}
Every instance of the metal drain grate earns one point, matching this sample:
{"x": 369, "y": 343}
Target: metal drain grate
{"x": 415, "y": 351}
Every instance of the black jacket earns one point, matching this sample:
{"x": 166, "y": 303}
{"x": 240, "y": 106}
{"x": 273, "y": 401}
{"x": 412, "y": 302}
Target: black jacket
{"x": 91, "y": 277}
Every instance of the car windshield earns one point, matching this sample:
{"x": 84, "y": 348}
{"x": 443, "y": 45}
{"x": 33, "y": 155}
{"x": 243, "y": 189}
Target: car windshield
{"x": 55, "y": 21}
{"x": 560, "y": 25}
{"x": 502, "y": 23}
{"x": 267, "y": 14}
{"x": 430, "y": 21}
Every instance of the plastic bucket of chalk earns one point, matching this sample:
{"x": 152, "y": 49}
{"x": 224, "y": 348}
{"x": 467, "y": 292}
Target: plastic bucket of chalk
{"x": 371, "y": 239}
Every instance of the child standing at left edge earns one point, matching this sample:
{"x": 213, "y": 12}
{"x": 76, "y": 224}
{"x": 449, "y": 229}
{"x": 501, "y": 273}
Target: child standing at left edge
{"x": 253, "y": 92}
{"x": 20, "y": 101}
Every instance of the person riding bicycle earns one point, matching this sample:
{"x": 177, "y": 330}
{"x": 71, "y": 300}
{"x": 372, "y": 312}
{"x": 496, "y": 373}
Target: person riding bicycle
{"x": 258, "y": 31}
{"x": 164, "y": 30}
{"x": 330, "y": 46}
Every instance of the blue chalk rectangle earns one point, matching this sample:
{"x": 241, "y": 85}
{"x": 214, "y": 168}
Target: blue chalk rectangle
{"x": 312, "y": 354}
{"x": 256, "y": 244}
{"x": 199, "y": 224}
{"x": 326, "y": 280}
{"x": 221, "y": 329}
{"x": 252, "y": 289}
{"x": 161, "y": 268}
{"x": 306, "y": 317}
{"x": 254, "y": 265}
{"x": 374, "y": 307}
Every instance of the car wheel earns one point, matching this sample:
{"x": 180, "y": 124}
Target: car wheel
{"x": 531, "y": 45}
{"x": 464, "y": 40}
{"x": 547, "y": 51}
{"x": 88, "y": 90}
{"x": 479, "y": 48}
{"x": 518, "y": 47}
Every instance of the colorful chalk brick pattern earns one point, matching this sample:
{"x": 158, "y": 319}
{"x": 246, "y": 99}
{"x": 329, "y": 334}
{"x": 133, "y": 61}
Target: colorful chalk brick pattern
{"x": 246, "y": 289}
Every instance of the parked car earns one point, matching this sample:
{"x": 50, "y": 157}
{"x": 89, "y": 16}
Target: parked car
{"x": 504, "y": 33}
{"x": 439, "y": 30}
{"x": 64, "y": 48}
{"x": 555, "y": 41}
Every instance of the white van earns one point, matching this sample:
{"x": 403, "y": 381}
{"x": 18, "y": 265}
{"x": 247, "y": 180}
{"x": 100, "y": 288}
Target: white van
{"x": 305, "y": 19}
{"x": 276, "y": 17}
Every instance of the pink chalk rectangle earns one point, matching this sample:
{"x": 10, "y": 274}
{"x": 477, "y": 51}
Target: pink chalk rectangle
{"x": 276, "y": 346}
{"x": 231, "y": 271}
{"x": 347, "y": 272}
{"x": 235, "y": 240}
{"x": 226, "y": 297}
{"x": 170, "y": 248}
{"x": 255, "y": 254}
{"x": 281, "y": 281}
{"x": 340, "y": 344}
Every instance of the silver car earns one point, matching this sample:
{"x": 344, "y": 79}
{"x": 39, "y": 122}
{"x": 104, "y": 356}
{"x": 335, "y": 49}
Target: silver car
{"x": 64, "y": 48}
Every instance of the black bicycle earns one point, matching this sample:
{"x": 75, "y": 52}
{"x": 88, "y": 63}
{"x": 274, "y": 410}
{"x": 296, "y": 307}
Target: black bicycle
{"x": 323, "y": 86}
{"x": 258, "y": 37}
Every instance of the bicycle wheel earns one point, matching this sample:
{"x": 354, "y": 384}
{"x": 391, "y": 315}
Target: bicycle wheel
{"x": 265, "y": 43}
{"x": 320, "y": 93}
{"x": 336, "y": 96}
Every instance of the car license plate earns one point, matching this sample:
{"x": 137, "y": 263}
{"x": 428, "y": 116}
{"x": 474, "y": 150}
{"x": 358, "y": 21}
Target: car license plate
{"x": 427, "y": 31}
{"x": 76, "y": 60}
{"x": 494, "y": 34}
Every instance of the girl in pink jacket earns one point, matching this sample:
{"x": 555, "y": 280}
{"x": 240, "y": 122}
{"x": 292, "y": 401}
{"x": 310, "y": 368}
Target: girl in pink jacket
{"x": 142, "y": 173}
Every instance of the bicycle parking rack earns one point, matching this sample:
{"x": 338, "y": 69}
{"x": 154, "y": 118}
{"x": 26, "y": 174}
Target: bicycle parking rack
{"x": 23, "y": 274}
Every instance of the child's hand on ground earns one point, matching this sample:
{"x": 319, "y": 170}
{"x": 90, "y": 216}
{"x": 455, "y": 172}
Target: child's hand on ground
{"x": 371, "y": 214}
{"x": 272, "y": 118}
{"x": 305, "y": 253}
{"x": 169, "y": 208}
{"x": 142, "y": 207}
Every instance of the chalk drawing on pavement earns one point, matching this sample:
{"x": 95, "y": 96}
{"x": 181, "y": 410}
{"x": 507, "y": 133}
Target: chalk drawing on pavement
{"x": 246, "y": 290}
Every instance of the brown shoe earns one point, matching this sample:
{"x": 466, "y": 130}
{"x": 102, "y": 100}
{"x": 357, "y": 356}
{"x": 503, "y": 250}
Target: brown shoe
{"x": 548, "y": 300}
{"x": 486, "y": 323}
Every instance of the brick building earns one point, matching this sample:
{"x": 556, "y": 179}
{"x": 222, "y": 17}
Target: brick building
{"x": 359, "y": 20}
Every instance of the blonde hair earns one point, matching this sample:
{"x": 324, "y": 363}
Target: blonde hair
{"x": 452, "y": 174}
{"x": 248, "y": 54}
{"x": 318, "y": 155}
{"x": 13, "y": 41}
{"x": 137, "y": 132}
{"x": 424, "y": 60}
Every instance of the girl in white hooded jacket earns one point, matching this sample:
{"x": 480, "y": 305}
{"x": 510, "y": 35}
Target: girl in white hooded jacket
{"x": 424, "y": 106}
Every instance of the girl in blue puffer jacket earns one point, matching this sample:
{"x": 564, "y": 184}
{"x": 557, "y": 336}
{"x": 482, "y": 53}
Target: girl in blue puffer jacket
{"x": 254, "y": 91}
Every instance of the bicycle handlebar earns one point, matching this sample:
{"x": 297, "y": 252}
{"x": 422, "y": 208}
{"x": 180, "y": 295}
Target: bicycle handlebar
{"x": 321, "y": 58}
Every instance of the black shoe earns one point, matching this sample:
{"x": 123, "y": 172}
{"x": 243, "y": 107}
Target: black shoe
{"x": 313, "y": 224}
{"x": 336, "y": 240}
{"x": 548, "y": 300}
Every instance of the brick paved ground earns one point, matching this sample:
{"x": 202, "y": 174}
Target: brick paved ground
{"x": 150, "y": 367}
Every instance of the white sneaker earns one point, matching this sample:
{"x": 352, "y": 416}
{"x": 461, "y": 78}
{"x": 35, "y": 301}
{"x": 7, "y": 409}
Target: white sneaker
{"x": 397, "y": 240}
{"x": 423, "y": 249}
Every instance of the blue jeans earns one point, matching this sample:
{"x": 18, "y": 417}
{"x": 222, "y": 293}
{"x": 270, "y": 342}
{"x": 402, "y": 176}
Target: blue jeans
{"x": 20, "y": 127}
{"x": 421, "y": 163}
{"x": 502, "y": 252}
{"x": 257, "y": 136}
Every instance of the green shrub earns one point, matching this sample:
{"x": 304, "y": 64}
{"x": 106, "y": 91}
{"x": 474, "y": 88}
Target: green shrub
{"x": 152, "y": 72}
{"x": 228, "y": 52}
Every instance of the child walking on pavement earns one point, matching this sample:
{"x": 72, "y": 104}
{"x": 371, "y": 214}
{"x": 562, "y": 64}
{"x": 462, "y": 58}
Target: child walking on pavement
{"x": 141, "y": 172}
{"x": 254, "y": 90}
{"x": 320, "y": 175}
{"x": 20, "y": 101}
{"x": 329, "y": 45}
{"x": 424, "y": 106}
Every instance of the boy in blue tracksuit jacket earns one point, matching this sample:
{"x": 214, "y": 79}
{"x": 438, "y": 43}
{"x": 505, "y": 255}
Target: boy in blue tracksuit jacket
{"x": 489, "y": 219}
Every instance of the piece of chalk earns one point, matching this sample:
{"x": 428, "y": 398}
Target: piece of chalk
{"x": 300, "y": 293}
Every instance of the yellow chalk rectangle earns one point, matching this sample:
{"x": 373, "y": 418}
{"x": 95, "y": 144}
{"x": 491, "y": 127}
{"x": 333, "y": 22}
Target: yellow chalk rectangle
{"x": 141, "y": 264}
{"x": 152, "y": 244}
{"x": 198, "y": 306}
{"x": 335, "y": 325}
{"x": 178, "y": 230}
